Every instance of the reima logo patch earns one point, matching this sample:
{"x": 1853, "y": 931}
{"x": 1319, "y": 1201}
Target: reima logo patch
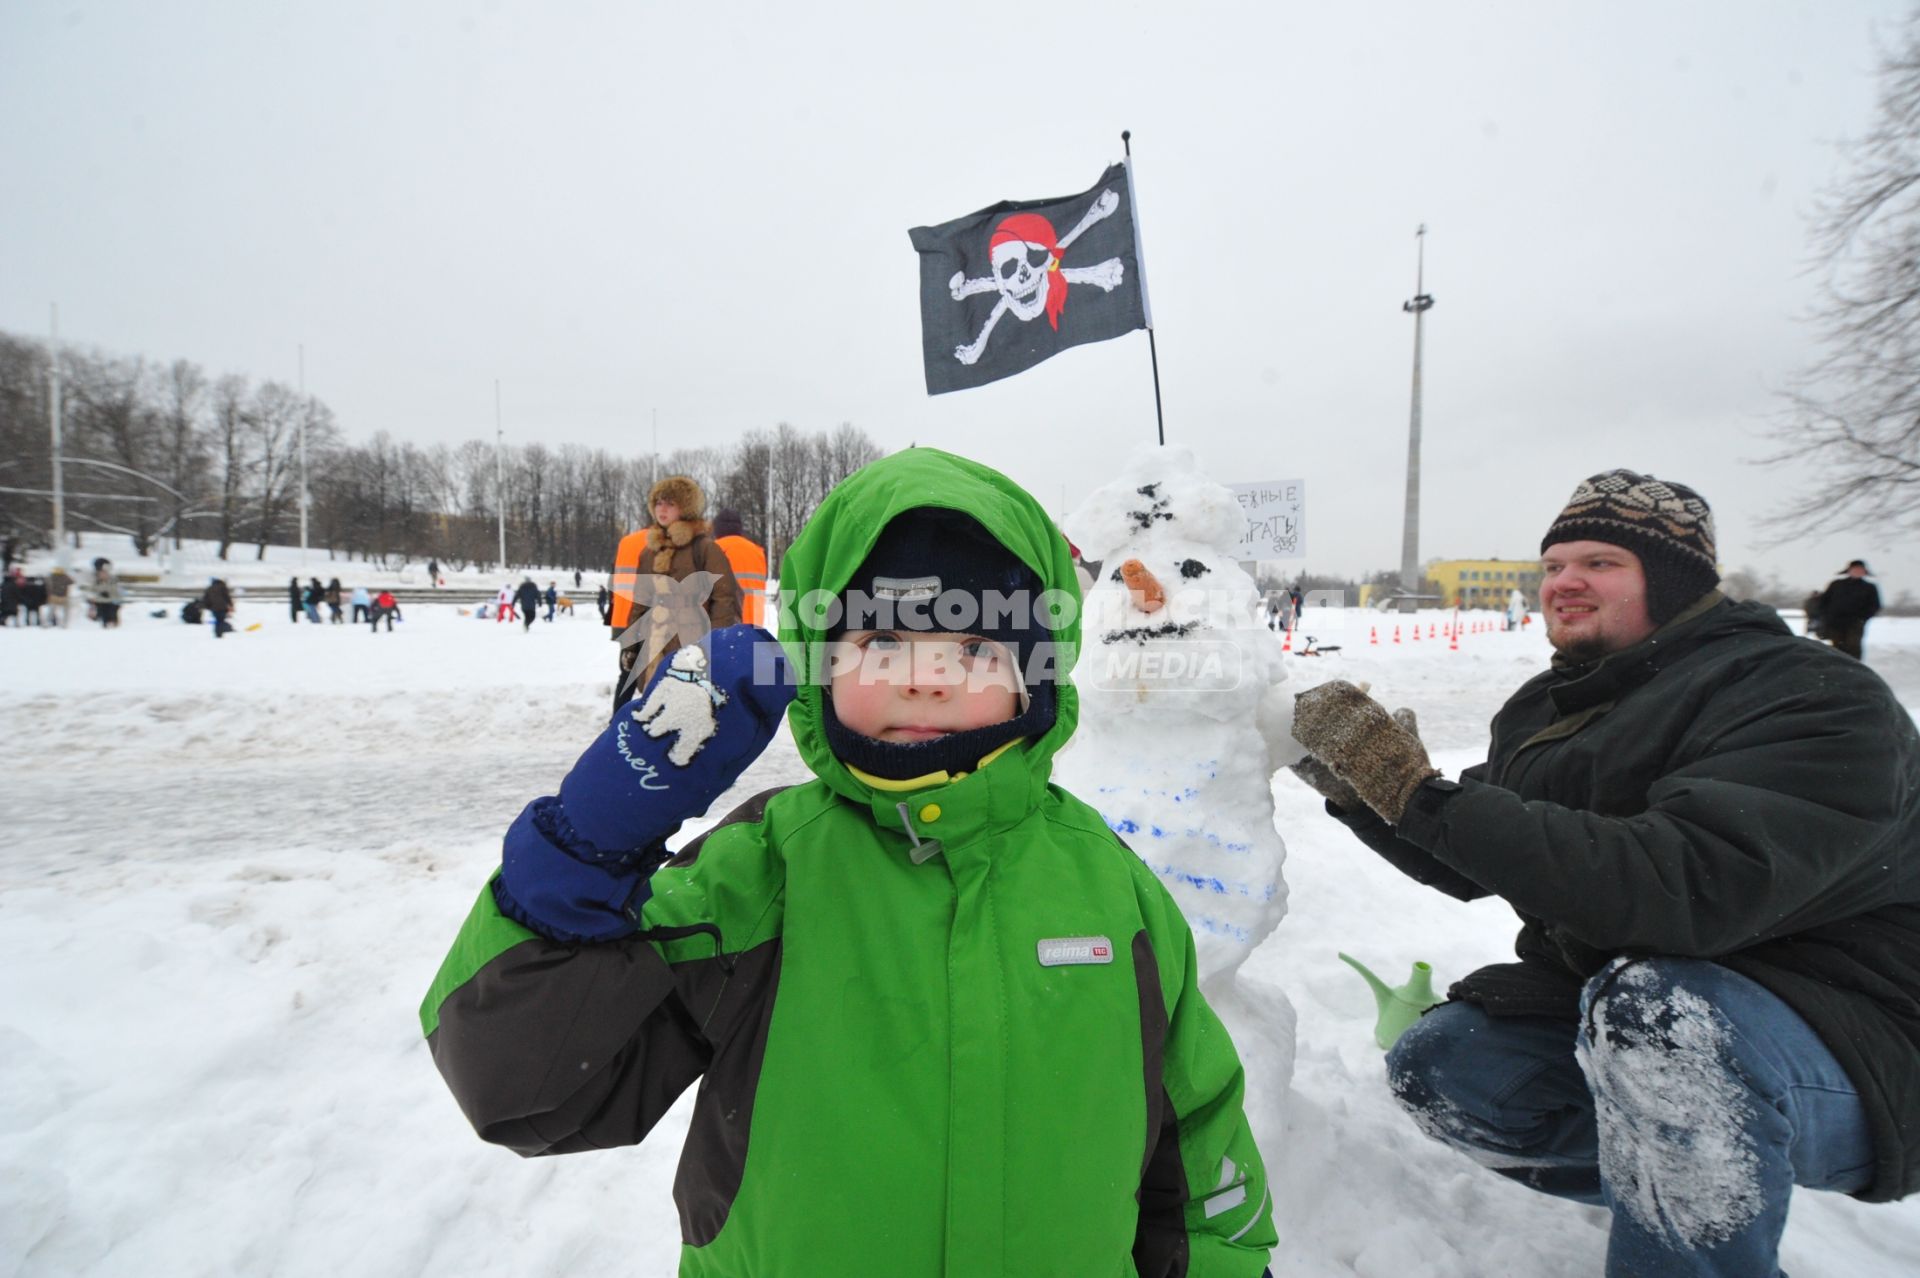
{"x": 1067, "y": 951}
{"x": 902, "y": 588}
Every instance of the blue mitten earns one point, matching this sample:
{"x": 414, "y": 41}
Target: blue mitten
{"x": 575, "y": 867}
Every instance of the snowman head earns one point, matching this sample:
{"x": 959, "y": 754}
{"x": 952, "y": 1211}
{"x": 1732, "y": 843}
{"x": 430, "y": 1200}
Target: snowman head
{"x": 1170, "y": 623}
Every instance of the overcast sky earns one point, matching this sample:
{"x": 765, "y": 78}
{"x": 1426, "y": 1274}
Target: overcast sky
{"x": 703, "y": 210}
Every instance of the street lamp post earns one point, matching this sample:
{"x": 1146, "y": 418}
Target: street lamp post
{"x": 1418, "y": 306}
{"x": 500, "y": 473}
{"x": 53, "y": 420}
{"x": 306, "y": 411}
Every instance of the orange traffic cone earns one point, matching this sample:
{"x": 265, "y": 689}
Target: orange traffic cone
{"x": 1396, "y": 634}
{"x": 1287, "y": 646}
{"x": 1453, "y": 643}
{"x": 1373, "y": 636}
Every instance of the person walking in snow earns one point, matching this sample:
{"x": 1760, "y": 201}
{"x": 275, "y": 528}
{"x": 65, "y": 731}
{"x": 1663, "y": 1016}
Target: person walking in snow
{"x": 59, "y": 594}
{"x": 293, "y": 599}
{"x": 334, "y": 603}
{"x": 1706, "y": 827}
{"x": 964, "y": 1019}
{"x": 433, "y": 572}
{"x": 311, "y": 600}
{"x": 362, "y": 604}
{"x": 1846, "y": 606}
{"x": 218, "y": 602}
{"x": 553, "y": 599}
{"x": 527, "y": 599}
{"x": 33, "y": 597}
{"x": 105, "y": 595}
{"x": 12, "y": 586}
{"x": 503, "y": 604}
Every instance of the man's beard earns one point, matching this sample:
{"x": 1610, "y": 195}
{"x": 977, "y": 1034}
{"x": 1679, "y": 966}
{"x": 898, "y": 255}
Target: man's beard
{"x": 1580, "y": 650}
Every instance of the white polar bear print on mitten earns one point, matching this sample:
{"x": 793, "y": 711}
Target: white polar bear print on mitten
{"x": 682, "y": 700}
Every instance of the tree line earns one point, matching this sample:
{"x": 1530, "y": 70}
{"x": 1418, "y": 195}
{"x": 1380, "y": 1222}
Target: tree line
{"x": 163, "y": 452}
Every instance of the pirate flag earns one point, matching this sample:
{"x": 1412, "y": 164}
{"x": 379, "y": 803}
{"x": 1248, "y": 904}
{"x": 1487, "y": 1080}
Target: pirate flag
{"x": 1011, "y": 285}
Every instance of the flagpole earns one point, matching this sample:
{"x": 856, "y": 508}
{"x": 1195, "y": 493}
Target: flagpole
{"x": 1153, "y": 348}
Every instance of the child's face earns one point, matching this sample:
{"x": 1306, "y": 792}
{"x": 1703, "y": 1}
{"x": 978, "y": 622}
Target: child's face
{"x": 906, "y": 686}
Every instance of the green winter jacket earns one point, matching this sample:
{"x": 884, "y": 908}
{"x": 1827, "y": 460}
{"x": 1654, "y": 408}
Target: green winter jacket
{"x": 993, "y": 1062}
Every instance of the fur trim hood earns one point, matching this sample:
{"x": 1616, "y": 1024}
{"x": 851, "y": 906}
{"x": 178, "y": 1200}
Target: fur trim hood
{"x": 662, "y": 542}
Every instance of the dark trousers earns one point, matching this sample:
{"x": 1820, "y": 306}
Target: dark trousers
{"x": 360, "y": 613}
{"x": 1687, "y": 1099}
{"x": 1846, "y": 636}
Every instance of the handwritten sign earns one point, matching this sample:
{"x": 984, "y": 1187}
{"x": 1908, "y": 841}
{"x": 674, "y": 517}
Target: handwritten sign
{"x": 1276, "y": 519}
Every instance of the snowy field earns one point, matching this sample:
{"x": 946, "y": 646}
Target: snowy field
{"x": 232, "y": 868}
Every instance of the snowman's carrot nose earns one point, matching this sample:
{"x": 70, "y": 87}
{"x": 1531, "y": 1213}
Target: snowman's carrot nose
{"x": 1147, "y": 594}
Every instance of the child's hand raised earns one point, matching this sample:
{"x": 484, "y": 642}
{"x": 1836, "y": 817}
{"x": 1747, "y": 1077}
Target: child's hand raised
{"x": 574, "y": 867}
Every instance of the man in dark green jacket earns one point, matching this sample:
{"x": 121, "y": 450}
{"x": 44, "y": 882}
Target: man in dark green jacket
{"x": 1708, "y": 828}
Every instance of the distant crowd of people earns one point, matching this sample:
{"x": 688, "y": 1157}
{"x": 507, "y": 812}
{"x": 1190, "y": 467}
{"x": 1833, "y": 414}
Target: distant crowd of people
{"x": 47, "y": 601}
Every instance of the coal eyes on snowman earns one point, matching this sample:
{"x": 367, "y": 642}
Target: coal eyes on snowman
{"x": 1189, "y": 569}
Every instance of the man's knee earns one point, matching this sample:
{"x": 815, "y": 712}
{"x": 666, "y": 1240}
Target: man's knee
{"x": 1435, "y": 1051}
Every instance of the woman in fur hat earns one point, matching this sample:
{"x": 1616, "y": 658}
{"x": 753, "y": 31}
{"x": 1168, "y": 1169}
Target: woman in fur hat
{"x": 674, "y": 546}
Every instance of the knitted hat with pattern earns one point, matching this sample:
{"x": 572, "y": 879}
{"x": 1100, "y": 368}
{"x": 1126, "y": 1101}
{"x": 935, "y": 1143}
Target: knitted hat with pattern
{"x": 1668, "y": 526}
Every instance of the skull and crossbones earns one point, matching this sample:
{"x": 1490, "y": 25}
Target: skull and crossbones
{"x": 1027, "y": 273}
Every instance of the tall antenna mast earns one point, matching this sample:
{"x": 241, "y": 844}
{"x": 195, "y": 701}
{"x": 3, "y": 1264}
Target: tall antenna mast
{"x": 1421, "y": 303}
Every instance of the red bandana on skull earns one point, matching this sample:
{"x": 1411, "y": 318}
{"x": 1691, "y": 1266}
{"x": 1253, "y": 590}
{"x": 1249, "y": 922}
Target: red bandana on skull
{"x": 1031, "y": 228}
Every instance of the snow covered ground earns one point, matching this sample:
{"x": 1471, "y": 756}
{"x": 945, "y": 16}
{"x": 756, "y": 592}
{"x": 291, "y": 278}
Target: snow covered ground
{"x": 232, "y": 868}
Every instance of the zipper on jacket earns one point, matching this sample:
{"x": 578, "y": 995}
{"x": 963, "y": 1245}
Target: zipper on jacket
{"x": 924, "y": 850}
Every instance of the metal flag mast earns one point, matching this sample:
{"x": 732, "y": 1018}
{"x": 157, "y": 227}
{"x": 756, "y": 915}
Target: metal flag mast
{"x": 1153, "y": 349}
{"x": 1421, "y": 303}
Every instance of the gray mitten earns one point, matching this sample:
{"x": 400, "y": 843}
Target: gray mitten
{"x": 1329, "y": 783}
{"x": 1354, "y": 735}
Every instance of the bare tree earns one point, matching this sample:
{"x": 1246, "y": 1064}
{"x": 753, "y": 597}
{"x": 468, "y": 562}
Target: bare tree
{"x": 232, "y": 462}
{"x": 184, "y": 457}
{"x": 1853, "y": 416}
{"x": 25, "y": 447}
{"x": 116, "y": 434}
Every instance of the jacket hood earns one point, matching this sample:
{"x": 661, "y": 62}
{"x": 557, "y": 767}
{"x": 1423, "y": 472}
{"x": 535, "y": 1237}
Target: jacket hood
{"x": 822, "y": 560}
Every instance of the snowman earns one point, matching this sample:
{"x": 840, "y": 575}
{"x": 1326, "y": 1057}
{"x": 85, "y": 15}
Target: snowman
{"x": 1185, "y": 718}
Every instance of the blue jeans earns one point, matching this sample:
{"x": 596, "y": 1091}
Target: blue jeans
{"x": 1687, "y": 1100}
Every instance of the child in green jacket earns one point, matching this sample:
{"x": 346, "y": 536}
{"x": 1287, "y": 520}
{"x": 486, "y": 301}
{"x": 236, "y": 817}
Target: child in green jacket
{"x": 944, "y": 1022}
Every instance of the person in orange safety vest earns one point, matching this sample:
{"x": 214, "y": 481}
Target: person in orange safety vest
{"x": 749, "y": 560}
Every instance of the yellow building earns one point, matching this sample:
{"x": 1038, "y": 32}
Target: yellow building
{"x": 1485, "y": 583}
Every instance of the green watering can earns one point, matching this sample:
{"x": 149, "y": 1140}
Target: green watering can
{"x": 1399, "y": 1008}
